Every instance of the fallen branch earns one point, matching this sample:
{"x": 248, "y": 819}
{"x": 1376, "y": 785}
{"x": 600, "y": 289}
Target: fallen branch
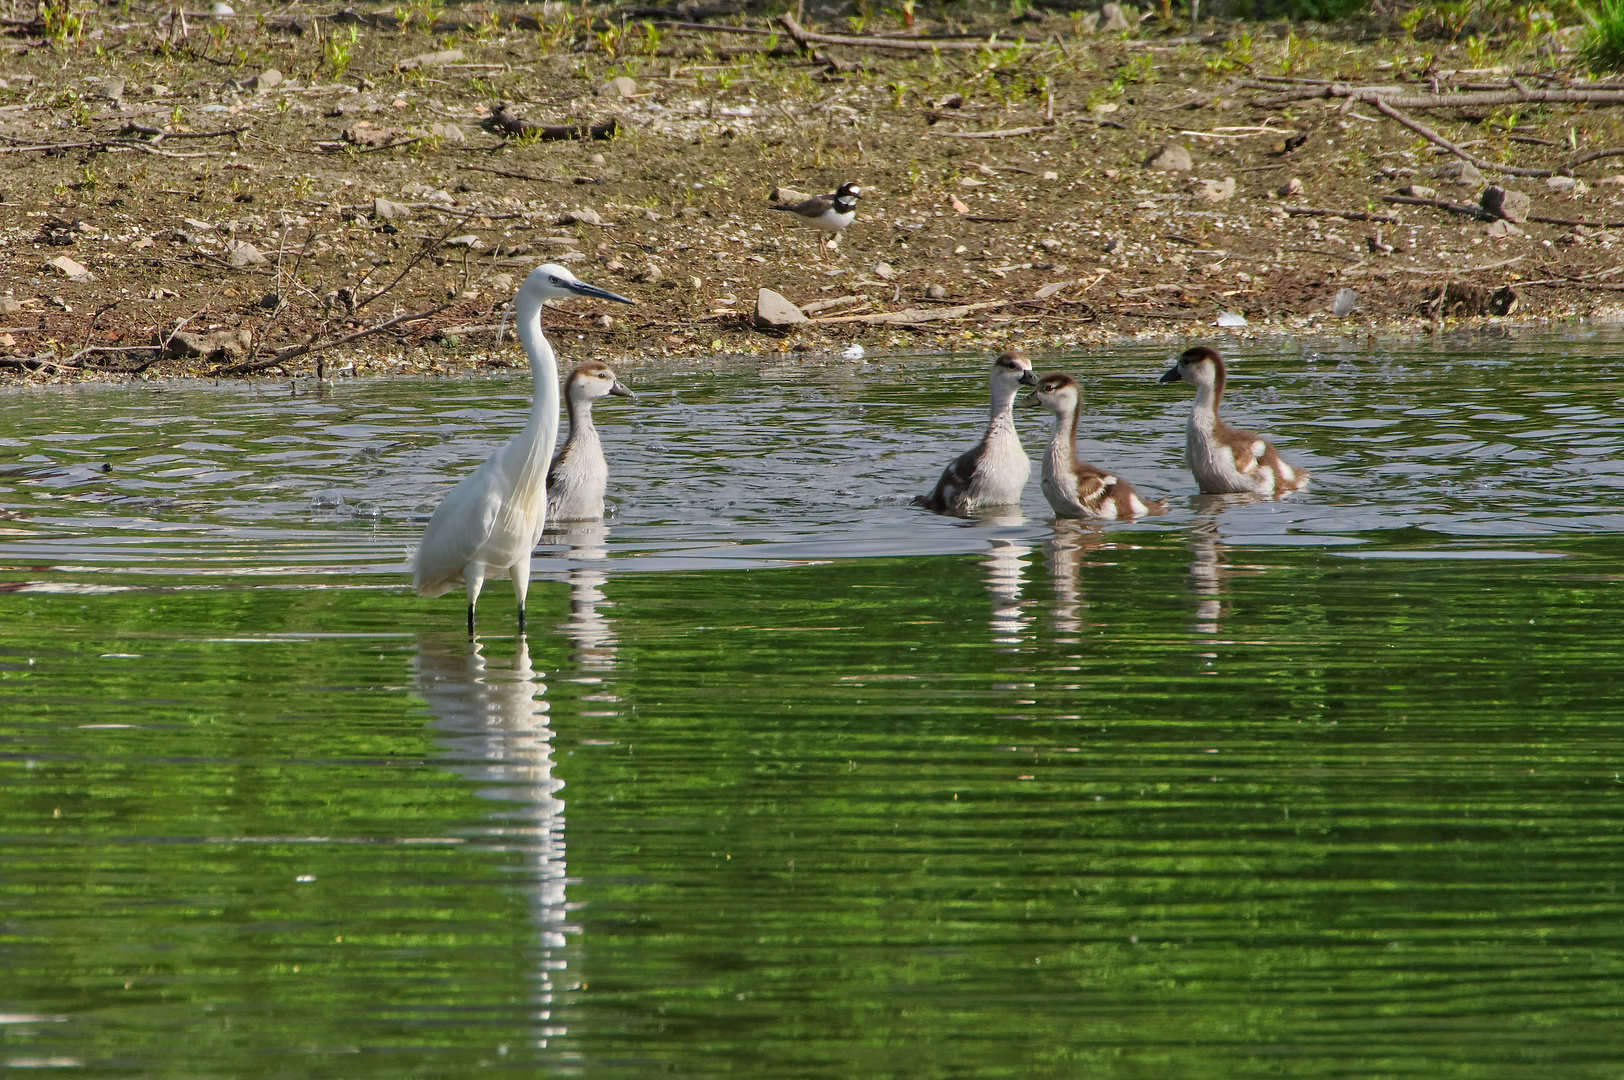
{"x": 1351, "y": 215}
{"x": 512, "y": 124}
{"x": 300, "y": 350}
{"x": 1395, "y": 96}
{"x": 913, "y": 315}
{"x": 511, "y": 173}
{"x": 1004, "y": 134}
{"x": 802, "y": 36}
{"x": 1433, "y": 137}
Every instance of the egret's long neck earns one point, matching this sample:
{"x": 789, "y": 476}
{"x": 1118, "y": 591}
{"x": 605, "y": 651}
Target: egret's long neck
{"x": 544, "y": 374}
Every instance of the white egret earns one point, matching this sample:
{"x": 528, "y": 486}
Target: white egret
{"x": 489, "y": 523}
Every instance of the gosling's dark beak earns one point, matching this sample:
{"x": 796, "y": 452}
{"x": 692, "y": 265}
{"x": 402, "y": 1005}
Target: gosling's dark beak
{"x": 1171, "y": 375}
{"x": 620, "y": 391}
{"x": 1028, "y": 379}
{"x": 581, "y": 288}
{"x": 1029, "y": 401}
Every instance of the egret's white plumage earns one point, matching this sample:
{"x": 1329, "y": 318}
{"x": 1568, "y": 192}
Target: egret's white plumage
{"x": 579, "y": 474}
{"x": 488, "y": 524}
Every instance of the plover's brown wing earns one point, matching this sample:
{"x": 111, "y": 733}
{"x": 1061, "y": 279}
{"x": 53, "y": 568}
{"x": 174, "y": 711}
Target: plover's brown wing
{"x": 812, "y": 208}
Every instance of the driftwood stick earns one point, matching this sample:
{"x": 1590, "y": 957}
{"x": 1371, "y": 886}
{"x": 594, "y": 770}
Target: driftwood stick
{"x": 1007, "y": 133}
{"x": 1396, "y": 97}
{"x": 1351, "y": 215}
{"x": 308, "y": 347}
{"x": 1433, "y": 137}
{"x": 1442, "y": 204}
{"x": 512, "y": 124}
{"x": 803, "y": 35}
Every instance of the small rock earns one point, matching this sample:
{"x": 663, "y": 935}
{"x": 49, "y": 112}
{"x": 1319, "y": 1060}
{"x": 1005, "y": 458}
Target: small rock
{"x": 1294, "y": 186}
{"x": 1463, "y": 173}
{"x": 1104, "y": 107}
{"x": 69, "y": 269}
{"x": 158, "y": 292}
{"x": 271, "y": 301}
{"x": 854, "y": 351}
{"x": 502, "y": 283}
{"x": 241, "y": 253}
{"x": 958, "y": 204}
{"x": 1504, "y": 203}
{"x": 970, "y": 181}
{"x": 1418, "y": 191}
{"x": 113, "y": 88}
{"x": 1501, "y": 229}
{"x": 1565, "y": 185}
{"x": 227, "y": 344}
{"x": 141, "y": 244}
{"x": 1088, "y": 23}
{"x": 469, "y": 241}
{"x": 9, "y": 306}
{"x": 384, "y": 210}
{"x": 595, "y": 159}
{"x": 651, "y": 275}
{"x": 1616, "y": 178}
{"x": 1169, "y": 157}
{"x": 1050, "y": 174}
{"x": 268, "y": 79}
{"x": 949, "y": 101}
{"x": 584, "y": 216}
{"x": 1113, "y": 19}
{"x": 884, "y": 271}
{"x": 1050, "y": 289}
{"x": 220, "y": 10}
{"x": 1113, "y": 245}
{"x": 433, "y": 59}
{"x": 935, "y": 292}
{"x": 1213, "y": 191}
{"x": 788, "y": 196}
{"x": 451, "y": 133}
{"x": 607, "y": 322}
{"x": 774, "y": 311}
{"x": 1344, "y": 302}
{"x": 159, "y": 90}
{"x": 618, "y": 87}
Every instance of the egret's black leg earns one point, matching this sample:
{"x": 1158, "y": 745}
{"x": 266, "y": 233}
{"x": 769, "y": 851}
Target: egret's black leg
{"x": 521, "y": 620}
{"x": 470, "y": 620}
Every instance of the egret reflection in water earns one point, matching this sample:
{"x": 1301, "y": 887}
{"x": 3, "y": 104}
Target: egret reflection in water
{"x": 493, "y": 723}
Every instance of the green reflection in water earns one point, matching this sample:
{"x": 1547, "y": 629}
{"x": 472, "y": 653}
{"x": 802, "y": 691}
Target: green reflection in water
{"x": 1162, "y": 809}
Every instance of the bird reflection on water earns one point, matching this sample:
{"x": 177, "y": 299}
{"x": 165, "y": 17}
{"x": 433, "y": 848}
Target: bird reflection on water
{"x": 492, "y": 719}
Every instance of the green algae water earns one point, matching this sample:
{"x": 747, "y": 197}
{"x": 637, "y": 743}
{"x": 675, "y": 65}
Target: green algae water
{"x": 790, "y": 779}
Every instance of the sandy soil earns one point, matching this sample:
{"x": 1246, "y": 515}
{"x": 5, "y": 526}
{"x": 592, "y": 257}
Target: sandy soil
{"x": 217, "y": 183}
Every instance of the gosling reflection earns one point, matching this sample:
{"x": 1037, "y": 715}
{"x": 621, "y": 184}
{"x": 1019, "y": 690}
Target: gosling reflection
{"x": 493, "y": 722}
{"x": 592, "y": 635}
{"x": 1004, "y": 564}
{"x": 1209, "y": 567}
{"x": 1065, "y": 549}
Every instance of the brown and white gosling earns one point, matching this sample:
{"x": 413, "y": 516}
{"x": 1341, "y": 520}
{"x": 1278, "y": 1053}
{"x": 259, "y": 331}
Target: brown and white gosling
{"x": 578, "y": 474}
{"x": 994, "y": 471}
{"x": 1226, "y": 459}
{"x": 1074, "y": 488}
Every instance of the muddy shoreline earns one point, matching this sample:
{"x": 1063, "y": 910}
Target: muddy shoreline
{"x": 317, "y": 192}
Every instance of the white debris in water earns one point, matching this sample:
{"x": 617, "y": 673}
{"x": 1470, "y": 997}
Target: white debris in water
{"x": 854, "y": 352}
{"x": 1344, "y": 302}
{"x": 1230, "y": 318}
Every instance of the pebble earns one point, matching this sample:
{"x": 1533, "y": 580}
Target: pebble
{"x": 1230, "y": 318}
{"x": 584, "y": 216}
{"x": 618, "y": 87}
{"x": 935, "y": 292}
{"x": 241, "y": 253}
{"x": 384, "y": 210}
{"x": 1463, "y": 173}
{"x": 222, "y": 10}
{"x": 1418, "y": 191}
{"x": 1113, "y": 19}
{"x": 1212, "y": 191}
{"x": 775, "y": 310}
{"x": 884, "y": 271}
{"x": 1504, "y": 203}
{"x": 1344, "y": 302}
{"x": 1294, "y": 186}
{"x": 1169, "y": 157}
{"x": 70, "y": 269}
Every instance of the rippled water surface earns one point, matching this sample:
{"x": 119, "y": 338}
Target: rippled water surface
{"x": 791, "y": 779}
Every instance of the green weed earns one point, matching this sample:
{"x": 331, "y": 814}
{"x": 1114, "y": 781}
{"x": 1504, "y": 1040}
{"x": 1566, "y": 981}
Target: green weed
{"x": 1603, "y": 48}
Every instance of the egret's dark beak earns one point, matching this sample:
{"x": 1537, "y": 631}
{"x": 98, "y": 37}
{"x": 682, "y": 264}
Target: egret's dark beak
{"x": 1171, "y": 375}
{"x": 620, "y": 391}
{"x": 581, "y": 288}
{"x": 1029, "y": 401}
{"x": 1028, "y": 379}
